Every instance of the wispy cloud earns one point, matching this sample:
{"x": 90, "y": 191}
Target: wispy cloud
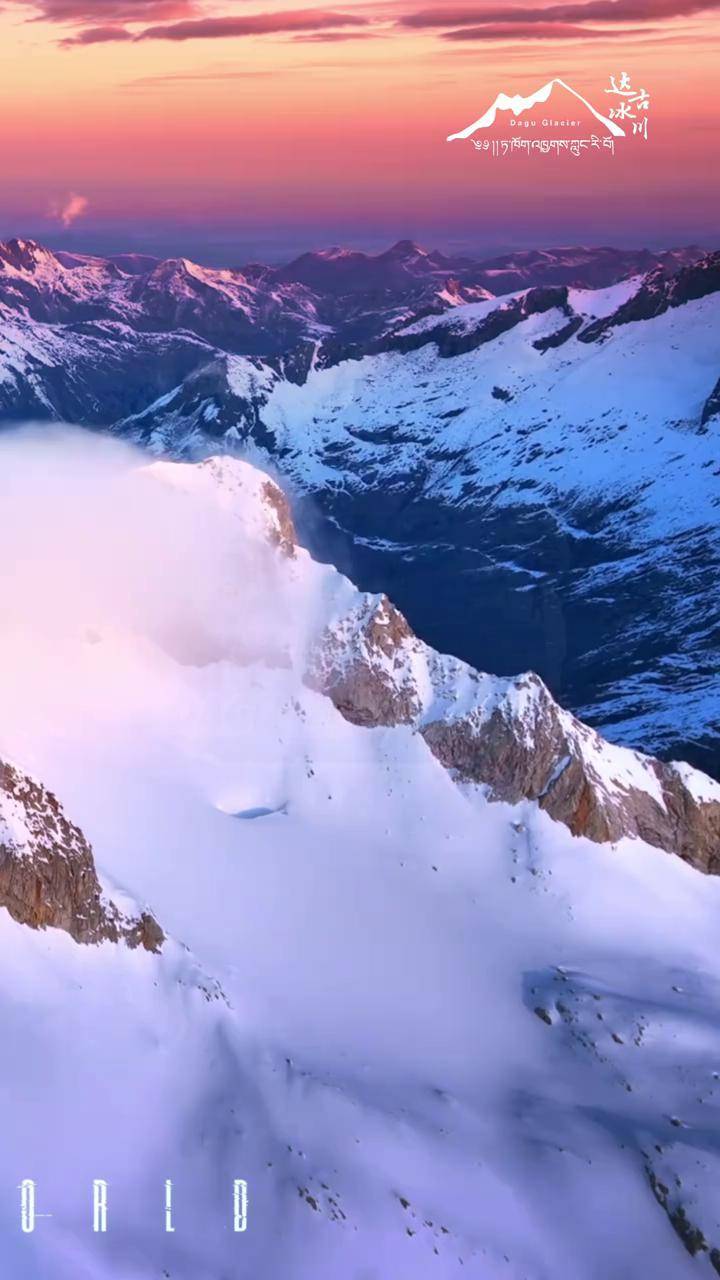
{"x": 93, "y": 22}
{"x": 68, "y": 208}
{"x": 256, "y": 24}
{"x": 97, "y": 35}
{"x": 105, "y": 12}
{"x": 253, "y": 24}
{"x": 442, "y": 16}
{"x": 537, "y": 31}
{"x": 334, "y": 37}
{"x": 184, "y": 77}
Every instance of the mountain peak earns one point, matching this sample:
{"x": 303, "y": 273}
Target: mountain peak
{"x": 334, "y": 251}
{"x": 24, "y": 254}
{"x": 406, "y": 249}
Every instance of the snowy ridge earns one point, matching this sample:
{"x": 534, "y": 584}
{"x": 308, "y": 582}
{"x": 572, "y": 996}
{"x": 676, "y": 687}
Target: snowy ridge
{"x": 509, "y": 736}
{"x": 335, "y": 297}
{"x": 219, "y": 305}
{"x": 258, "y": 313}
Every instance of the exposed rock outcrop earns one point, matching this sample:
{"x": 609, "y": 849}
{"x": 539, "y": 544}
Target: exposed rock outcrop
{"x": 560, "y": 336}
{"x": 511, "y": 737}
{"x": 359, "y": 666}
{"x": 47, "y": 871}
{"x": 282, "y": 532}
{"x": 457, "y": 339}
{"x": 688, "y": 1232}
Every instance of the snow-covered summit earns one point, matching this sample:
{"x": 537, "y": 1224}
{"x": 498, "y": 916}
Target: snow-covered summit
{"x": 435, "y": 1033}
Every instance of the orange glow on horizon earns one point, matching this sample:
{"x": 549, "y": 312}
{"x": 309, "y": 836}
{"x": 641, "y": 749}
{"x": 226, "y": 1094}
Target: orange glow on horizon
{"x": 349, "y": 132}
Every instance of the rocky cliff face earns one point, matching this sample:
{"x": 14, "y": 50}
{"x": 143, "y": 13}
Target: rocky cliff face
{"x": 511, "y": 737}
{"x": 359, "y": 665}
{"x": 47, "y": 871}
{"x": 281, "y": 526}
{"x": 221, "y": 397}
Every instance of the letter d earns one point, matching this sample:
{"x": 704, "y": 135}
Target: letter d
{"x": 240, "y": 1204}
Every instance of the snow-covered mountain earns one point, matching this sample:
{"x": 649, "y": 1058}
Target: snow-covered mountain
{"x": 332, "y": 295}
{"x": 581, "y": 268}
{"x": 254, "y": 311}
{"x": 513, "y": 471}
{"x": 221, "y": 307}
{"x": 382, "y": 981}
{"x": 520, "y": 476}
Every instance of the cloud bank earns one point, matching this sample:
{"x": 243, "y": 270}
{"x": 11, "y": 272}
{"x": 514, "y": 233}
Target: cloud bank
{"x": 107, "y": 21}
{"x": 99, "y": 543}
{"x": 224, "y": 28}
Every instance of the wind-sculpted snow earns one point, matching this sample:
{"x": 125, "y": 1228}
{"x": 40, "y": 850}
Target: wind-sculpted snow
{"x": 437, "y": 1035}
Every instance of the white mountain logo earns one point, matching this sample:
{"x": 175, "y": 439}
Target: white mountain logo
{"x": 518, "y": 104}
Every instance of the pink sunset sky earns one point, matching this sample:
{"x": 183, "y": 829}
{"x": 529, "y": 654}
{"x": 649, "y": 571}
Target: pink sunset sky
{"x": 231, "y": 129}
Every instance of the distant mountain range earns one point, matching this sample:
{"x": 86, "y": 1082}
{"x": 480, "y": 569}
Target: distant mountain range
{"x": 520, "y": 450}
{"x": 332, "y": 295}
